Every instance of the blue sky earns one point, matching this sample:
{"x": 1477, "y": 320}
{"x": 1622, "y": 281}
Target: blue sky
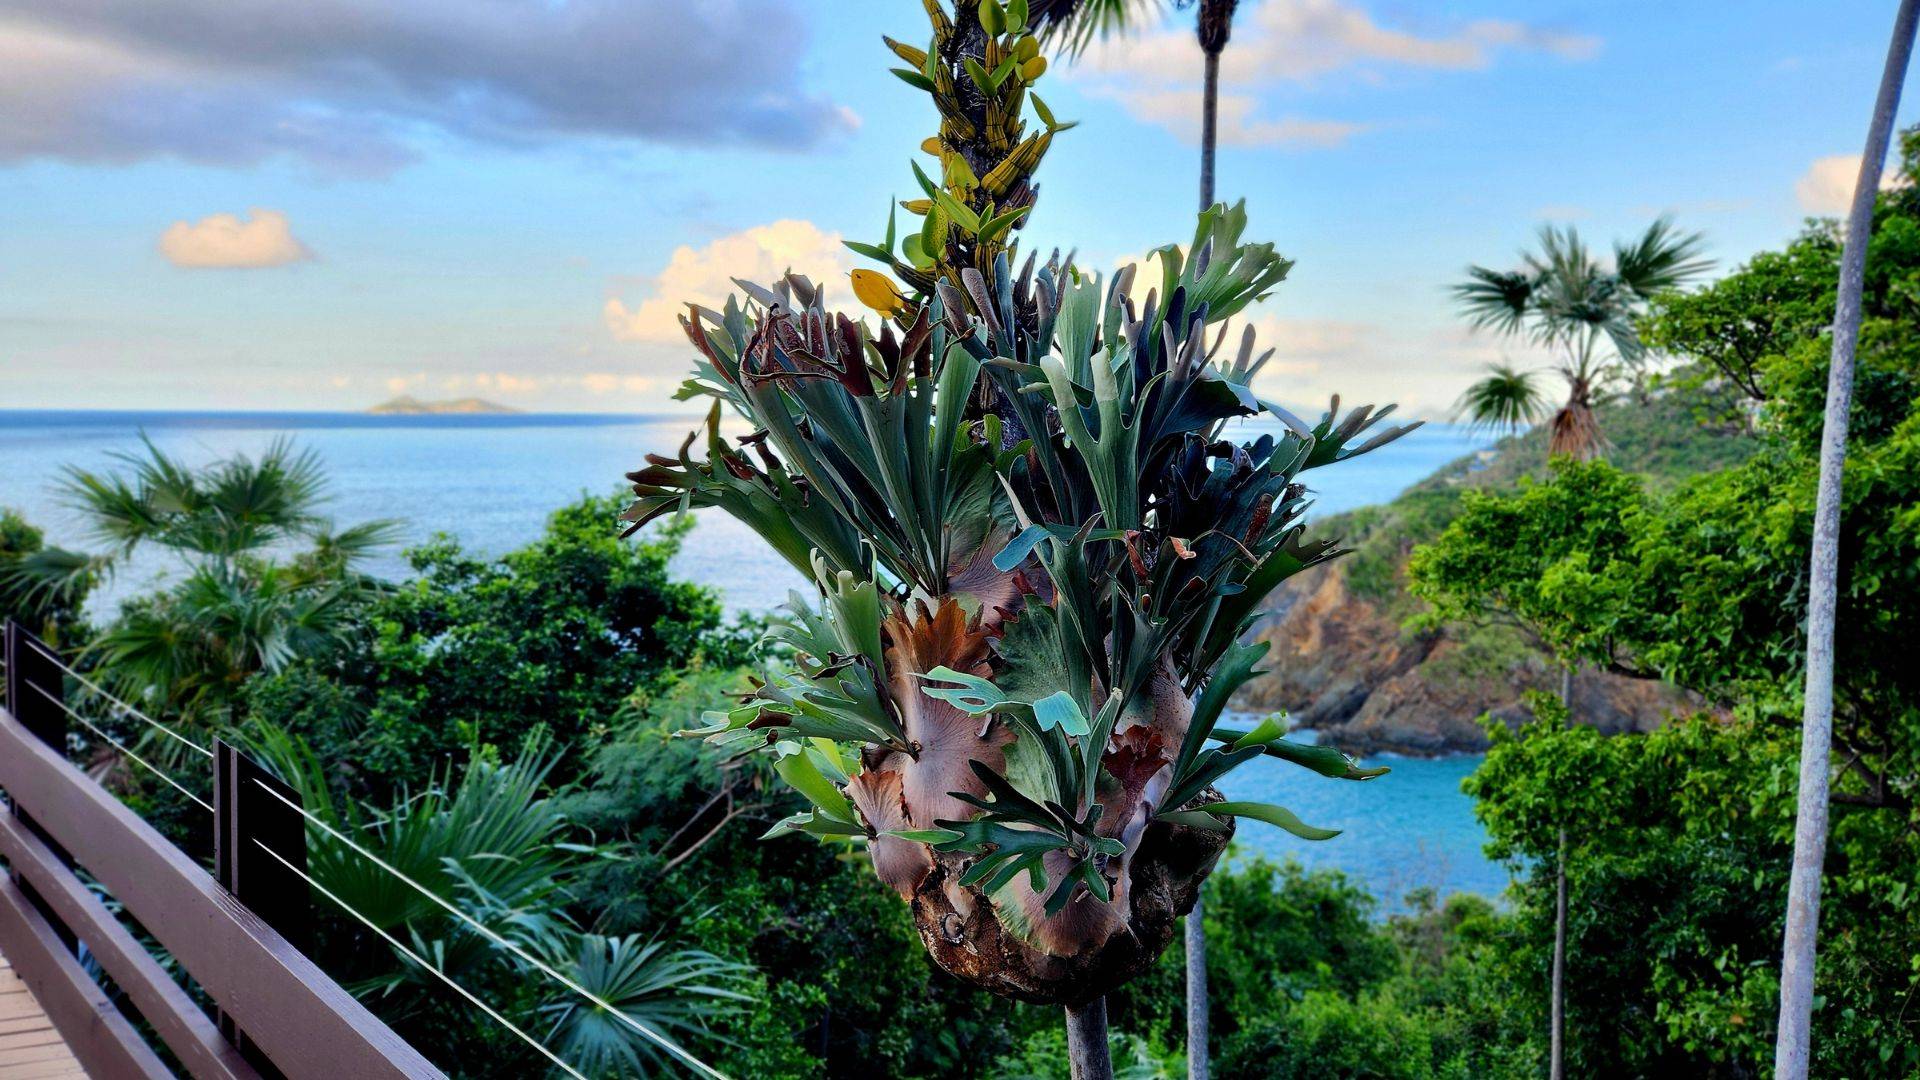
{"x": 231, "y": 204}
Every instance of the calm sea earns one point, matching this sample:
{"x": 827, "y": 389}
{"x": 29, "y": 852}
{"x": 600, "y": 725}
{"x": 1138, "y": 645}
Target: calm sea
{"x": 491, "y": 481}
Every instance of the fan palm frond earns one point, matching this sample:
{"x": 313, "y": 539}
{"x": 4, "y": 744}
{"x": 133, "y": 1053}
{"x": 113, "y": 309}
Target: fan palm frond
{"x": 1498, "y": 300}
{"x": 1505, "y": 400}
{"x": 1662, "y": 258}
{"x": 1076, "y": 24}
{"x": 54, "y": 574}
{"x": 672, "y": 992}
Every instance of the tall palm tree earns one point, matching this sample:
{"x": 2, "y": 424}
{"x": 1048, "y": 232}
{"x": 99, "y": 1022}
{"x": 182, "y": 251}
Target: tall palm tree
{"x": 1793, "y": 1039}
{"x": 1566, "y": 299}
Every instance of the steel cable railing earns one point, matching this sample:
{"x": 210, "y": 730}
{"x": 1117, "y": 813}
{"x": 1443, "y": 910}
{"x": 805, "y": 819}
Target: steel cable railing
{"x": 125, "y": 709}
{"x": 122, "y": 747}
{"x": 415, "y": 957}
{"x": 664, "y": 1043}
{"x": 669, "y": 1046}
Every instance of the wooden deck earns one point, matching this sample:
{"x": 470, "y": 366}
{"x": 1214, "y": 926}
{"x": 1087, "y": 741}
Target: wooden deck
{"x": 30, "y": 1048}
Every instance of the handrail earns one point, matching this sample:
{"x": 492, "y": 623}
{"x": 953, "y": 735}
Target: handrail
{"x": 261, "y": 838}
{"x": 291, "y": 1010}
{"x": 187, "y": 1031}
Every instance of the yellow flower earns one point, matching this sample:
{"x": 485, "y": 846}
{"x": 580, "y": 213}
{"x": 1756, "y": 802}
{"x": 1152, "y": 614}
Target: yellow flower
{"x": 877, "y": 291}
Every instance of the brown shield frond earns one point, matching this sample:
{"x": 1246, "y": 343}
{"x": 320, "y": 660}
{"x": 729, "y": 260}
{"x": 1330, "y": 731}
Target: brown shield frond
{"x": 880, "y": 798}
{"x": 944, "y": 738}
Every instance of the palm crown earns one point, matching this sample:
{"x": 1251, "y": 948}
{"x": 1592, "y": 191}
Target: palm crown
{"x": 1036, "y": 551}
{"x": 1564, "y": 298}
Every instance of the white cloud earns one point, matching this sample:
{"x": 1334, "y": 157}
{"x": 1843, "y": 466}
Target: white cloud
{"x": 353, "y": 84}
{"x": 224, "y": 241}
{"x": 1178, "y": 110}
{"x": 400, "y": 384}
{"x": 602, "y": 382}
{"x": 1156, "y": 74}
{"x": 705, "y": 275}
{"x": 493, "y": 382}
{"x": 1421, "y": 367}
{"x": 1302, "y": 40}
{"x": 1827, "y": 185}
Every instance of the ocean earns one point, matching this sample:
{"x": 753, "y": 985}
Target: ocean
{"x": 490, "y": 481}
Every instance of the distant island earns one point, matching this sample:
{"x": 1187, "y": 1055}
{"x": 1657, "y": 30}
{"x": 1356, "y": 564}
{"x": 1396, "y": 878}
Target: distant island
{"x": 405, "y": 405}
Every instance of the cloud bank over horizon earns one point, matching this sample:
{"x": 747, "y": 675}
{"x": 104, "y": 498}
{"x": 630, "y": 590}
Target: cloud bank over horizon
{"x": 353, "y": 85}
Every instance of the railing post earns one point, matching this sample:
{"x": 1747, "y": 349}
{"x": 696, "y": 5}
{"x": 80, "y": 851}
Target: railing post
{"x": 246, "y": 817}
{"x": 36, "y": 690}
{"x": 35, "y": 687}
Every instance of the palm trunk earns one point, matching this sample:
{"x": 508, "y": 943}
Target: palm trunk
{"x": 1556, "y": 1036}
{"x": 1087, "y": 1041}
{"x": 1216, "y": 20}
{"x": 1209, "y": 127}
{"x": 1197, "y": 1003}
{"x": 1793, "y": 1043}
{"x": 1557, "y": 999}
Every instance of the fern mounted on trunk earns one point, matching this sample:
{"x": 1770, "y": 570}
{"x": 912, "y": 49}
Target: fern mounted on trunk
{"x": 1036, "y": 536}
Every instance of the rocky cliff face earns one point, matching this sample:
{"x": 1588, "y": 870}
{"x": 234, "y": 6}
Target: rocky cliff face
{"x": 1343, "y": 667}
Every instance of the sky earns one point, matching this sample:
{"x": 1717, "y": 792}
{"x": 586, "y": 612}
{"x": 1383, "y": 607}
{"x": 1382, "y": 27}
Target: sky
{"x": 244, "y": 204}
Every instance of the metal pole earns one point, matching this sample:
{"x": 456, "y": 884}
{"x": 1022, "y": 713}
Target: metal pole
{"x": 248, "y": 822}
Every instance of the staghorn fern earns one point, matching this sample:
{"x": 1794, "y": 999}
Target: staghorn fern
{"x": 1036, "y": 552}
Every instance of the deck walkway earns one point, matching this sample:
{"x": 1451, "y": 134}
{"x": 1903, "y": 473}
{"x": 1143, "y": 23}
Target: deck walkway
{"x": 30, "y": 1048}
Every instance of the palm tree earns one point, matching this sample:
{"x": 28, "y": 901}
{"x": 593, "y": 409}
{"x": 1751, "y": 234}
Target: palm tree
{"x": 1793, "y": 1040}
{"x": 1565, "y": 299}
{"x": 265, "y": 577}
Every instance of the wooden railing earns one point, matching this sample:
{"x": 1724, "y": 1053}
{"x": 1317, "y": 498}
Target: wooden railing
{"x": 278, "y": 1013}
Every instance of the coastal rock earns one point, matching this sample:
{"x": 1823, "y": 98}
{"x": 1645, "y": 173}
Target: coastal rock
{"x": 1342, "y": 666}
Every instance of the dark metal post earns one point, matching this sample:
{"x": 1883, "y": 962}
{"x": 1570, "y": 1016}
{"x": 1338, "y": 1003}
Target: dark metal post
{"x": 35, "y": 687}
{"x": 247, "y": 817}
{"x": 36, "y": 690}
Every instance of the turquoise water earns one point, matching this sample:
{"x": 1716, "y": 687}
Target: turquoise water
{"x": 1412, "y": 827}
{"x": 491, "y": 481}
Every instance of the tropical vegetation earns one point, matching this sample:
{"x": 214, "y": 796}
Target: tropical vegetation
{"x": 1037, "y": 541}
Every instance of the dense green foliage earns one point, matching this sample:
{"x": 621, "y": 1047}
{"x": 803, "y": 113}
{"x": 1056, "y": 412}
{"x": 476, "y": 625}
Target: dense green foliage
{"x": 1680, "y": 840}
{"x": 630, "y": 860}
{"x": 52, "y": 616}
{"x": 477, "y": 651}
